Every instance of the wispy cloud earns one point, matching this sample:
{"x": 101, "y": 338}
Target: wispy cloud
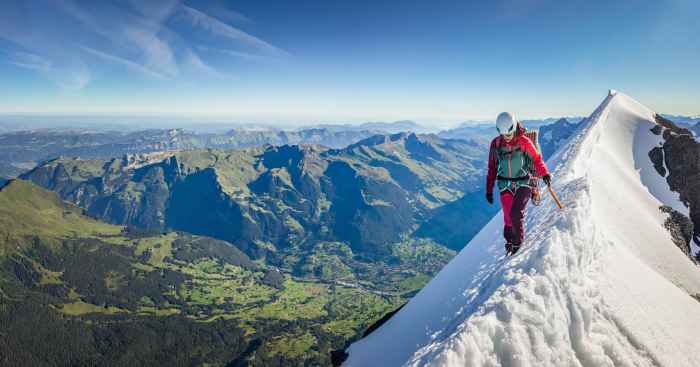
{"x": 157, "y": 54}
{"x": 220, "y": 11}
{"x": 154, "y": 39}
{"x": 156, "y": 11}
{"x": 73, "y": 79}
{"x": 217, "y": 27}
{"x": 70, "y": 77}
{"x": 29, "y": 61}
{"x": 135, "y": 67}
{"x": 193, "y": 60}
{"x": 247, "y": 56}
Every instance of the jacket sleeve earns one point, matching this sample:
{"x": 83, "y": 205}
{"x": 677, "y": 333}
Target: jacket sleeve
{"x": 491, "y": 175}
{"x": 540, "y": 167}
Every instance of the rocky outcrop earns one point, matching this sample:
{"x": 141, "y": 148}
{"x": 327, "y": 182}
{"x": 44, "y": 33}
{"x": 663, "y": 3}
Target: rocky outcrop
{"x": 680, "y": 227}
{"x": 678, "y": 160}
{"x": 657, "y": 158}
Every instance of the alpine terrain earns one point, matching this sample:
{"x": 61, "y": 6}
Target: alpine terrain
{"x": 600, "y": 283}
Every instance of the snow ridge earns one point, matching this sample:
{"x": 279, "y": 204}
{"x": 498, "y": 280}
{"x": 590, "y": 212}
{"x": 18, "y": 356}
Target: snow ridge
{"x": 600, "y": 284}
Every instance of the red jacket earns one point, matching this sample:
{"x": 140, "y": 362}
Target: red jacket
{"x": 526, "y": 145}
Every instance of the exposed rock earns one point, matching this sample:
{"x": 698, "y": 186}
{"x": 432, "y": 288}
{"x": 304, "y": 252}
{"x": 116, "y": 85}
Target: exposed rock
{"x": 668, "y": 124}
{"x": 680, "y": 227}
{"x": 681, "y": 165}
{"x": 682, "y": 160}
{"x": 657, "y": 157}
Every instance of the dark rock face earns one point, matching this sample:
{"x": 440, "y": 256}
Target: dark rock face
{"x": 657, "y": 157}
{"x": 681, "y": 158}
{"x": 680, "y": 227}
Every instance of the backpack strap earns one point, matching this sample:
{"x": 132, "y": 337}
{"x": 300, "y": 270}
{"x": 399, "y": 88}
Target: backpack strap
{"x": 499, "y": 141}
{"x": 533, "y": 135}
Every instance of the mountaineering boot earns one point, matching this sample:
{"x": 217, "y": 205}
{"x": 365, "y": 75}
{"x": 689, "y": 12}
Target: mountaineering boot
{"x": 514, "y": 249}
{"x": 509, "y": 248}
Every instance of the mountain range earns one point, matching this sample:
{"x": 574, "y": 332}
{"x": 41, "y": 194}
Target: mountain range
{"x": 368, "y": 194}
{"x": 553, "y": 136}
{"x": 382, "y": 127}
{"x": 22, "y": 150}
{"x": 682, "y": 120}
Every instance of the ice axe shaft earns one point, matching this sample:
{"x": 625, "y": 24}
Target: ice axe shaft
{"x": 554, "y": 196}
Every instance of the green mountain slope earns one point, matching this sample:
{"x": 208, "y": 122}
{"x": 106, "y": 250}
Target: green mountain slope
{"x": 369, "y": 195}
{"x": 77, "y": 291}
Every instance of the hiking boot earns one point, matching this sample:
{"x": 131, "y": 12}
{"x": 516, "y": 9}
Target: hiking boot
{"x": 514, "y": 248}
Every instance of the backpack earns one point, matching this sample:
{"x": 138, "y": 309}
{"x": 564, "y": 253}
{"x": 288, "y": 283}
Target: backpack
{"x": 533, "y": 135}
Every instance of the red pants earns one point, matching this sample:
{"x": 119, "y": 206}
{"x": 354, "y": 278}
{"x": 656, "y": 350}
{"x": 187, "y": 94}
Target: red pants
{"x": 514, "y": 214}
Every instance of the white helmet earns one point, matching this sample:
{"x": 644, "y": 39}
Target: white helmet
{"x": 506, "y": 123}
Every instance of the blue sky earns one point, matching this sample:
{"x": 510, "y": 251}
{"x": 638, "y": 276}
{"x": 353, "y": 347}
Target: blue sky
{"x": 312, "y": 60}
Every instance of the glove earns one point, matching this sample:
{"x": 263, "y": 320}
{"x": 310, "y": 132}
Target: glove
{"x": 489, "y": 197}
{"x": 547, "y": 179}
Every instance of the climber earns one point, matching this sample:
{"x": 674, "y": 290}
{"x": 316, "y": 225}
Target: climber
{"x": 515, "y": 164}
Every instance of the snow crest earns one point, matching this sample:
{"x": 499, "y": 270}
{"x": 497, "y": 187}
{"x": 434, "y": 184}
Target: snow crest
{"x": 599, "y": 284}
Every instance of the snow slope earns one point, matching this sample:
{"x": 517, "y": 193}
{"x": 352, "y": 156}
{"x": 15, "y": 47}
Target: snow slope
{"x": 599, "y": 284}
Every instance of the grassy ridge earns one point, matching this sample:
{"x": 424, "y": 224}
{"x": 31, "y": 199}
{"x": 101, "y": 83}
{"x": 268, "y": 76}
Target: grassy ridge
{"x": 28, "y": 210}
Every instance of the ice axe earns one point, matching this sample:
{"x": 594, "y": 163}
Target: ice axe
{"x": 554, "y": 196}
